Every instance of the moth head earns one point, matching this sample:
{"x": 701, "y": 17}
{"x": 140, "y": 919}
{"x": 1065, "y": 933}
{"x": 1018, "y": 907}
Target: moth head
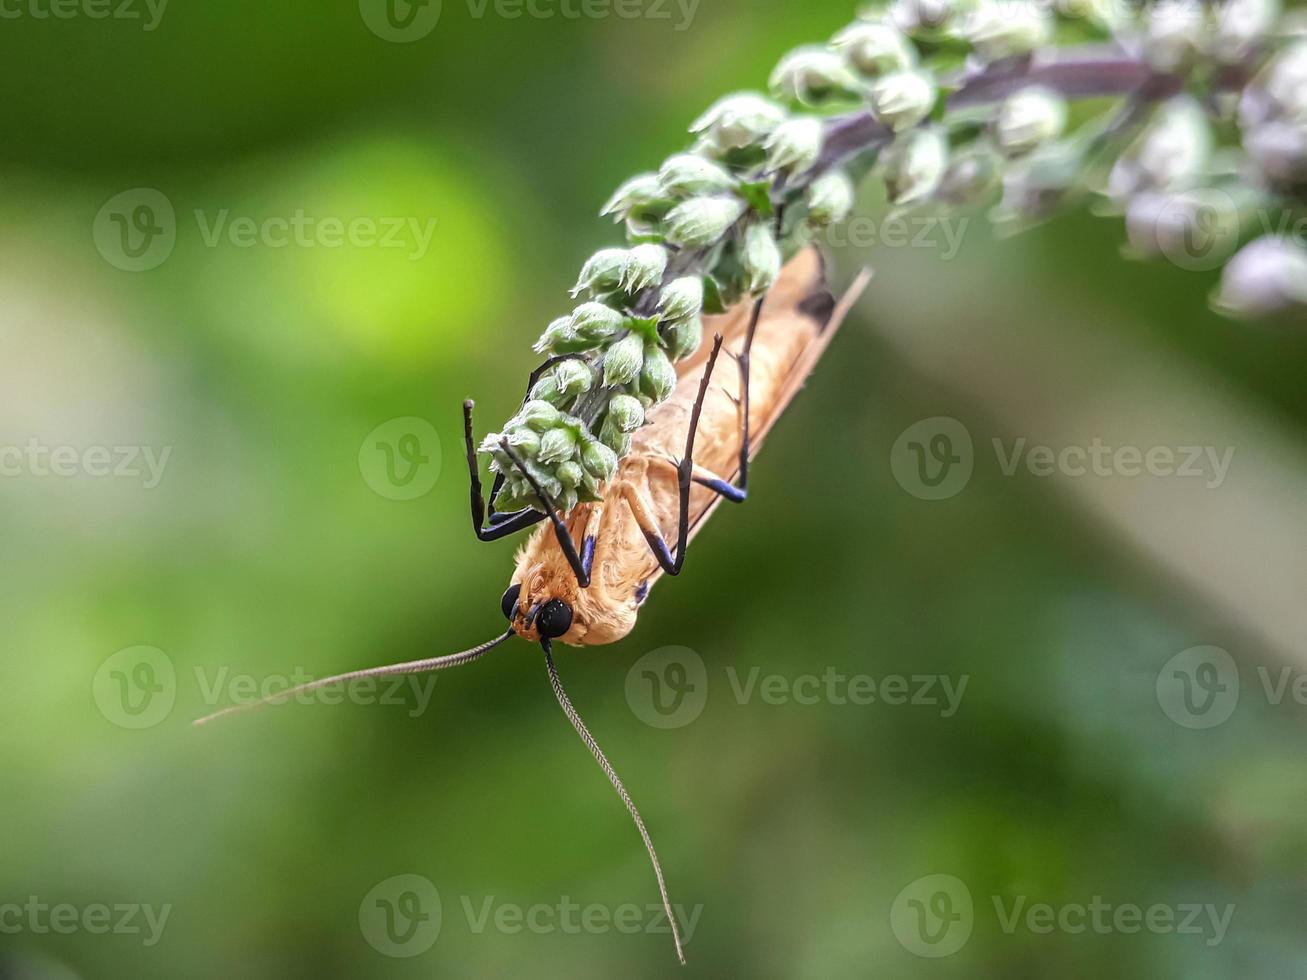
{"x": 540, "y": 606}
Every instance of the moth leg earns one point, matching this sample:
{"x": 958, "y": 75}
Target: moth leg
{"x": 707, "y": 478}
{"x": 501, "y": 525}
{"x": 591, "y": 536}
{"x": 639, "y": 505}
{"x": 560, "y": 529}
{"x": 743, "y": 360}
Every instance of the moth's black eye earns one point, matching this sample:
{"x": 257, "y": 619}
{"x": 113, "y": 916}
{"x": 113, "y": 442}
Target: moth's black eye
{"x": 509, "y": 602}
{"x": 555, "y": 619}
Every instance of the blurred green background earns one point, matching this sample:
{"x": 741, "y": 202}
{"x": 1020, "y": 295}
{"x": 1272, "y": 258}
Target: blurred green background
{"x": 265, "y": 549}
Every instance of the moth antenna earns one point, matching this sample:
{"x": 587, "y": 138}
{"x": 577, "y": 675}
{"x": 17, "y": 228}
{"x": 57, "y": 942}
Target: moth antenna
{"x": 411, "y": 667}
{"x": 565, "y": 702}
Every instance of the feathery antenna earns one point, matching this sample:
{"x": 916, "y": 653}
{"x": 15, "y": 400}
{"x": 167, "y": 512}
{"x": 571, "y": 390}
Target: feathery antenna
{"x": 411, "y": 667}
{"x": 590, "y": 743}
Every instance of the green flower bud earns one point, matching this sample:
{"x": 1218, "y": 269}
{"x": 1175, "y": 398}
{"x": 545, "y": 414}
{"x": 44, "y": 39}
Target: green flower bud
{"x": 570, "y": 474}
{"x": 573, "y": 377}
{"x": 794, "y": 145}
{"x": 640, "y": 191}
{"x": 830, "y": 198}
{"x": 738, "y": 121}
{"x": 1243, "y": 25}
{"x": 969, "y": 177}
{"x": 645, "y": 265}
{"x": 559, "y": 333}
{"x": 614, "y": 439}
{"x": 689, "y": 173}
{"x": 914, "y": 164}
{"x": 761, "y": 258}
{"x": 812, "y": 75}
{"x": 1029, "y": 118}
{"x": 602, "y": 271}
{"x": 903, "y": 99}
{"x": 599, "y": 460}
{"x": 999, "y": 29}
{"x": 1279, "y": 91}
{"x": 1200, "y": 225}
{"x": 702, "y": 221}
{"x": 684, "y": 337}
{"x": 1173, "y": 149}
{"x": 626, "y": 412}
{"x": 623, "y": 361}
{"x": 515, "y": 495}
{"x": 557, "y": 444}
{"x": 548, "y": 482}
{"x": 547, "y": 390}
{"x": 922, "y": 16}
{"x": 538, "y": 415}
{"x": 875, "y": 49}
{"x": 524, "y": 441}
{"x": 1174, "y": 32}
{"x": 657, "y": 377}
{"x": 681, "y": 298}
{"x": 1267, "y": 277}
{"x": 1279, "y": 149}
{"x": 1036, "y": 187}
{"x": 596, "y": 321}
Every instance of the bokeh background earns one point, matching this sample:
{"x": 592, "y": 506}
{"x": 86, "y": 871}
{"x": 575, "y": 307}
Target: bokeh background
{"x": 275, "y": 542}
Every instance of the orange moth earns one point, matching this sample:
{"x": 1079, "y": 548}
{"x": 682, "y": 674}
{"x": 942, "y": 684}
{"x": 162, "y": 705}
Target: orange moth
{"x": 692, "y": 454}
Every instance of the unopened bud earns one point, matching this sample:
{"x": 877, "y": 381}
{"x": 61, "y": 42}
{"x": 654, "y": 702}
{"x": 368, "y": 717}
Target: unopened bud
{"x": 1267, "y": 277}
{"x": 1173, "y": 33}
{"x": 914, "y": 164}
{"x": 830, "y": 198}
{"x": 538, "y": 415}
{"x": 1279, "y": 91}
{"x": 657, "y": 376}
{"x": 1028, "y": 119}
{"x": 596, "y": 321}
{"x": 602, "y": 271}
{"x": 999, "y": 29}
{"x": 761, "y": 258}
{"x": 524, "y": 441}
{"x": 559, "y": 334}
{"x": 689, "y": 173}
{"x": 969, "y": 177}
{"x": 812, "y": 75}
{"x": 645, "y": 265}
{"x": 614, "y": 439}
{"x": 738, "y": 121}
{"x": 1279, "y": 149}
{"x": 573, "y": 377}
{"x": 623, "y": 360}
{"x": 599, "y": 460}
{"x": 1195, "y": 229}
{"x": 640, "y": 191}
{"x": 903, "y": 99}
{"x": 1037, "y": 186}
{"x": 626, "y": 412}
{"x": 1242, "y": 25}
{"x": 794, "y": 145}
{"x": 875, "y": 49}
{"x": 570, "y": 474}
{"x": 681, "y": 298}
{"x": 556, "y": 445}
{"x": 922, "y": 16}
{"x": 702, "y": 221}
{"x": 1175, "y": 147}
{"x": 684, "y": 337}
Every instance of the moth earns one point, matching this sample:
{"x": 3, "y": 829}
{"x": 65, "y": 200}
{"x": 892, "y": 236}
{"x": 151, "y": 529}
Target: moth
{"x": 692, "y": 454}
